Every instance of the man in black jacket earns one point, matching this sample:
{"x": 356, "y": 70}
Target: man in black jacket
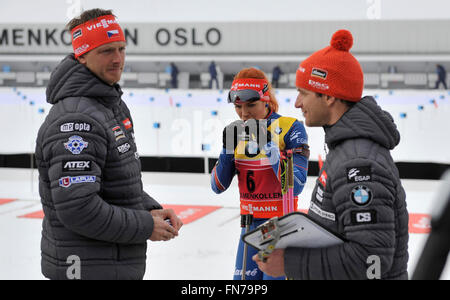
{"x": 97, "y": 215}
{"x": 213, "y": 73}
{"x": 358, "y": 193}
{"x": 173, "y": 75}
{"x": 442, "y": 76}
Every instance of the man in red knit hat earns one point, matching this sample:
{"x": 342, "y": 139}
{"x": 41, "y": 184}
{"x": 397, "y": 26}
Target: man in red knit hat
{"x": 358, "y": 194}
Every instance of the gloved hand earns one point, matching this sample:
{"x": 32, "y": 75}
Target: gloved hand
{"x": 232, "y": 134}
{"x": 257, "y": 134}
{"x": 254, "y": 132}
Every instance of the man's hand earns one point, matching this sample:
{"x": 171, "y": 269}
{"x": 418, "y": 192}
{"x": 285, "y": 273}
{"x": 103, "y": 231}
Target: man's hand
{"x": 168, "y": 214}
{"x": 163, "y": 230}
{"x": 274, "y": 265}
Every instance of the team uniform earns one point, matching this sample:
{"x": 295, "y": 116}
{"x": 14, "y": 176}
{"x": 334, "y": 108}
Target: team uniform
{"x": 259, "y": 179}
{"x": 358, "y": 193}
{"x": 90, "y": 180}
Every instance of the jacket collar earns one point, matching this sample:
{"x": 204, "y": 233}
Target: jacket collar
{"x": 364, "y": 120}
{"x": 72, "y": 79}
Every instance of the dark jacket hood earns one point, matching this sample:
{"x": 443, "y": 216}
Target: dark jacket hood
{"x": 364, "y": 120}
{"x": 72, "y": 79}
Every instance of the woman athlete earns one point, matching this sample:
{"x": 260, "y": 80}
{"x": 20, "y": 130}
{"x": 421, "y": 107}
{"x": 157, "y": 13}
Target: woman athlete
{"x": 252, "y": 148}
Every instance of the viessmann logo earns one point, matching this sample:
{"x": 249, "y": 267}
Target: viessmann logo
{"x": 102, "y": 24}
{"x": 244, "y": 85}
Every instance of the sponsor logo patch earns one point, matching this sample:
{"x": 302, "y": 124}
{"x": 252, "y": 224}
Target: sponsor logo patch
{"x": 319, "y": 194}
{"x": 319, "y": 73}
{"x": 102, "y": 24}
{"x": 323, "y": 179}
{"x": 73, "y": 126}
{"x": 237, "y": 86}
{"x": 364, "y": 217}
{"x": 77, "y": 34}
{"x": 76, "y": 165}
{"x": 359, "y": 174}
{"x": 324, "y": 214}
{"x": 76, "y": 144}
{"x": 124, "y": 148}
{"x": 127, "y": 123}
{"x": 118, "y": 133}
{"x": 318, "y": 85}
{"x": 361, "y": 195}
{"x": 82, "y": 49}
{"x": 67, "y": 181}
{"x": 278, "y": 130}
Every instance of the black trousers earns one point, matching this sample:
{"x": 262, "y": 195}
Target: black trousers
{"x": 443, "y": 82}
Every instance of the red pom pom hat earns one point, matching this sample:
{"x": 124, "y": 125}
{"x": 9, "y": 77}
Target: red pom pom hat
{"x": 333, "y": 70}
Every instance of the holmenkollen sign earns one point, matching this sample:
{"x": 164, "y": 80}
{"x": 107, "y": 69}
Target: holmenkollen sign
{"x": 182, "y": 36}
{"x": 43, "y": 39}
{"x": 141, "y": 39}
{"x": 371, "y": 37}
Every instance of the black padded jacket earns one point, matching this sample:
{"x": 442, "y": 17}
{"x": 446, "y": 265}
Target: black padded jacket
{"x": 90, "y": 181}
{"x": 358, "y": 195}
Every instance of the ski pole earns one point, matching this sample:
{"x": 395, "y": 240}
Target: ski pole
{"x": 246, "y": 221}
{"x": 290, "y": 181}
{"x": 284, "y": 182}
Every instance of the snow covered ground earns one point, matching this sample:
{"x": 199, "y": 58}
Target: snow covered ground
{"x": 205, "y": 248}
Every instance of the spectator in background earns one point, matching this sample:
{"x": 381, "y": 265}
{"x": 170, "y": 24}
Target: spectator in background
{"x": 442, "y": 76}
{"x": 276, "y": 73}
{"x": 392, "y": 69}
{"x": 173, "y": 75}
{"x": 213, "y": 73}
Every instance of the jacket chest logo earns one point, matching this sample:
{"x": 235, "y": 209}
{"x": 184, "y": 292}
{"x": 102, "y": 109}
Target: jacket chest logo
{"x": 323, "y": 179}
{"x": 359, "y": 174}
{"x": 127, "y": 123}
{"x": 319, "y": 194}
{"x": 124, "y": 148}
{"x": 118, "y": 133}
{"x": 74, "y": 126}
{"x": 361, "y": 195}
{"x": 76, "y": 144}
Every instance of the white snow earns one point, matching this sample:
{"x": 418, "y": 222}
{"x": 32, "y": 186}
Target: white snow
{"x": 205, "y": 248}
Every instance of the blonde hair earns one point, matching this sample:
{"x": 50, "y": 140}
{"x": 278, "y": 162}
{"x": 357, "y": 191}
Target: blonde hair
{"x": 258, "y": 74}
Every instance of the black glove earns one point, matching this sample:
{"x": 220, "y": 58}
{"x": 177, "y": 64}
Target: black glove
{"x": 257, "y": 132}
{"x": 232, "y": 134}
{"x": 254, "y": 132}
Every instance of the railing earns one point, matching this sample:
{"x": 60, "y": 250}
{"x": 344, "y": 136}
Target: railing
{"x": 162, "y": 80}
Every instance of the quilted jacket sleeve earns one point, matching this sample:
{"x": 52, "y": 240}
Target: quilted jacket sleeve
{"x": 75, "y": 161}
{"x": 365, "y": 216}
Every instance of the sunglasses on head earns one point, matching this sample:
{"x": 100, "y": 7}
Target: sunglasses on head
{"x": 248, "y": 95}
{"x": 244, "y": 96}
